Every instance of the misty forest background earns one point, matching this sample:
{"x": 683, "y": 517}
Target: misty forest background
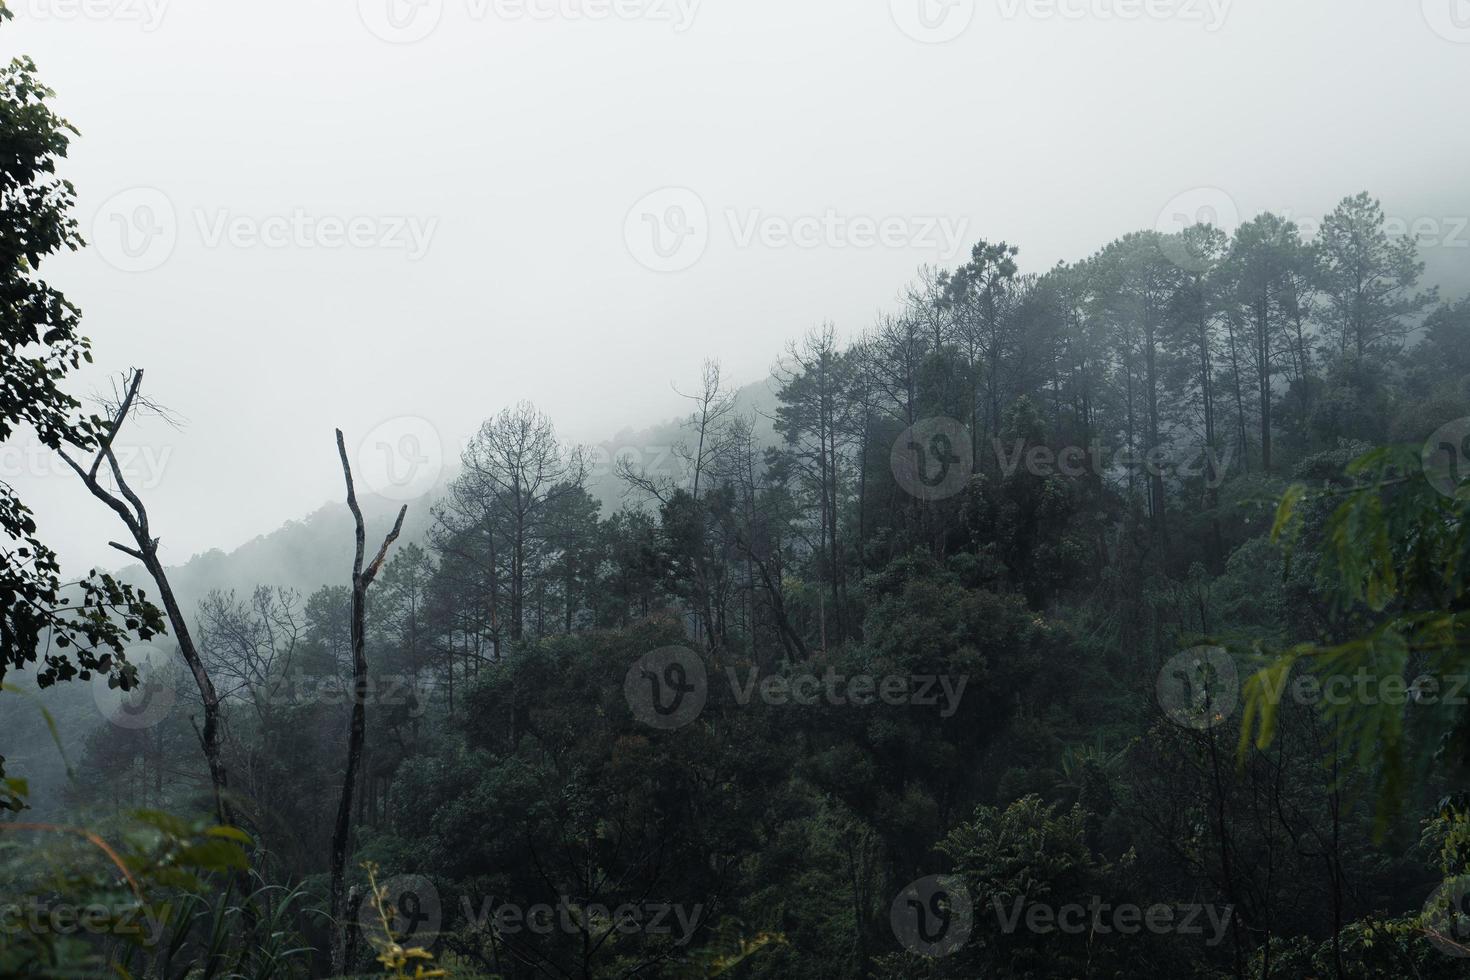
{"x": 1260, "y": 364}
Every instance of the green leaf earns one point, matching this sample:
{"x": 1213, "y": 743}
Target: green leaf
{"x": 231, "y": 833}
{"x": 1286, "y": 509}
{"x": 213, "y": 855}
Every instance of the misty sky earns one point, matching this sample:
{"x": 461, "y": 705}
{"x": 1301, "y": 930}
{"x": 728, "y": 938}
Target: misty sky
{"x": 316, "y": 214}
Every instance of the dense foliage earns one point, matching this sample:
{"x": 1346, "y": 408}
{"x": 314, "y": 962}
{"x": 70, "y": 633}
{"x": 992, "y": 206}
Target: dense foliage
{"x": 1121, "y": 431}
{"x": 40, "y": 344}
{"x": 929, "y": 672}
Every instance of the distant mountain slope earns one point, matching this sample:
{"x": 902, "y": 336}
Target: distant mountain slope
{"x": 653, "y": 447}
{"x": 317, "y": 550}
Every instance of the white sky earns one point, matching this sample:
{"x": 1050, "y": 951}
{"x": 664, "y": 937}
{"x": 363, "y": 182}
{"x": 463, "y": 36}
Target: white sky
{"x": 516, "y": 147}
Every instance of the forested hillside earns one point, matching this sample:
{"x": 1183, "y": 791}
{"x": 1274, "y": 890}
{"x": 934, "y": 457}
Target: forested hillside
{"x": 1057, "y": 566}
{"x": 939, "y": 665}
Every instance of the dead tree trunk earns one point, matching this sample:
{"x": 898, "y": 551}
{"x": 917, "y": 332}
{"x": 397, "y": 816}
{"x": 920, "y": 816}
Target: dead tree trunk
{"x": 361, "y": 579}
{"x": 134, "y": 515}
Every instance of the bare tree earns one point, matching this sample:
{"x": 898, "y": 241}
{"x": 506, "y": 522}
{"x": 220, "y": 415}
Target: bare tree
{"x": 712, "y": 406}
{"x": 701, "y": 452}
{"x": 129, "y": 507}
{"x": 251, "y": 644}
{"x": 515, "y": 472}
{"x": 361, "y": 579}
{"x": 756, "y": 533}
{"x": 249, "y": 647}
{"x": 895, "y": 350}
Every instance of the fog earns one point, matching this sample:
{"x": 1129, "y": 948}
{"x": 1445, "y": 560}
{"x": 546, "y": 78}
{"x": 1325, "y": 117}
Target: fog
{"x": 305, "y": 216}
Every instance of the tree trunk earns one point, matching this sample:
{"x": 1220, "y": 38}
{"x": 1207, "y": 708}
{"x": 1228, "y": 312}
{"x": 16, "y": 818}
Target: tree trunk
{"x": 146, "y": 552}
{"x": 341, "y": 832}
